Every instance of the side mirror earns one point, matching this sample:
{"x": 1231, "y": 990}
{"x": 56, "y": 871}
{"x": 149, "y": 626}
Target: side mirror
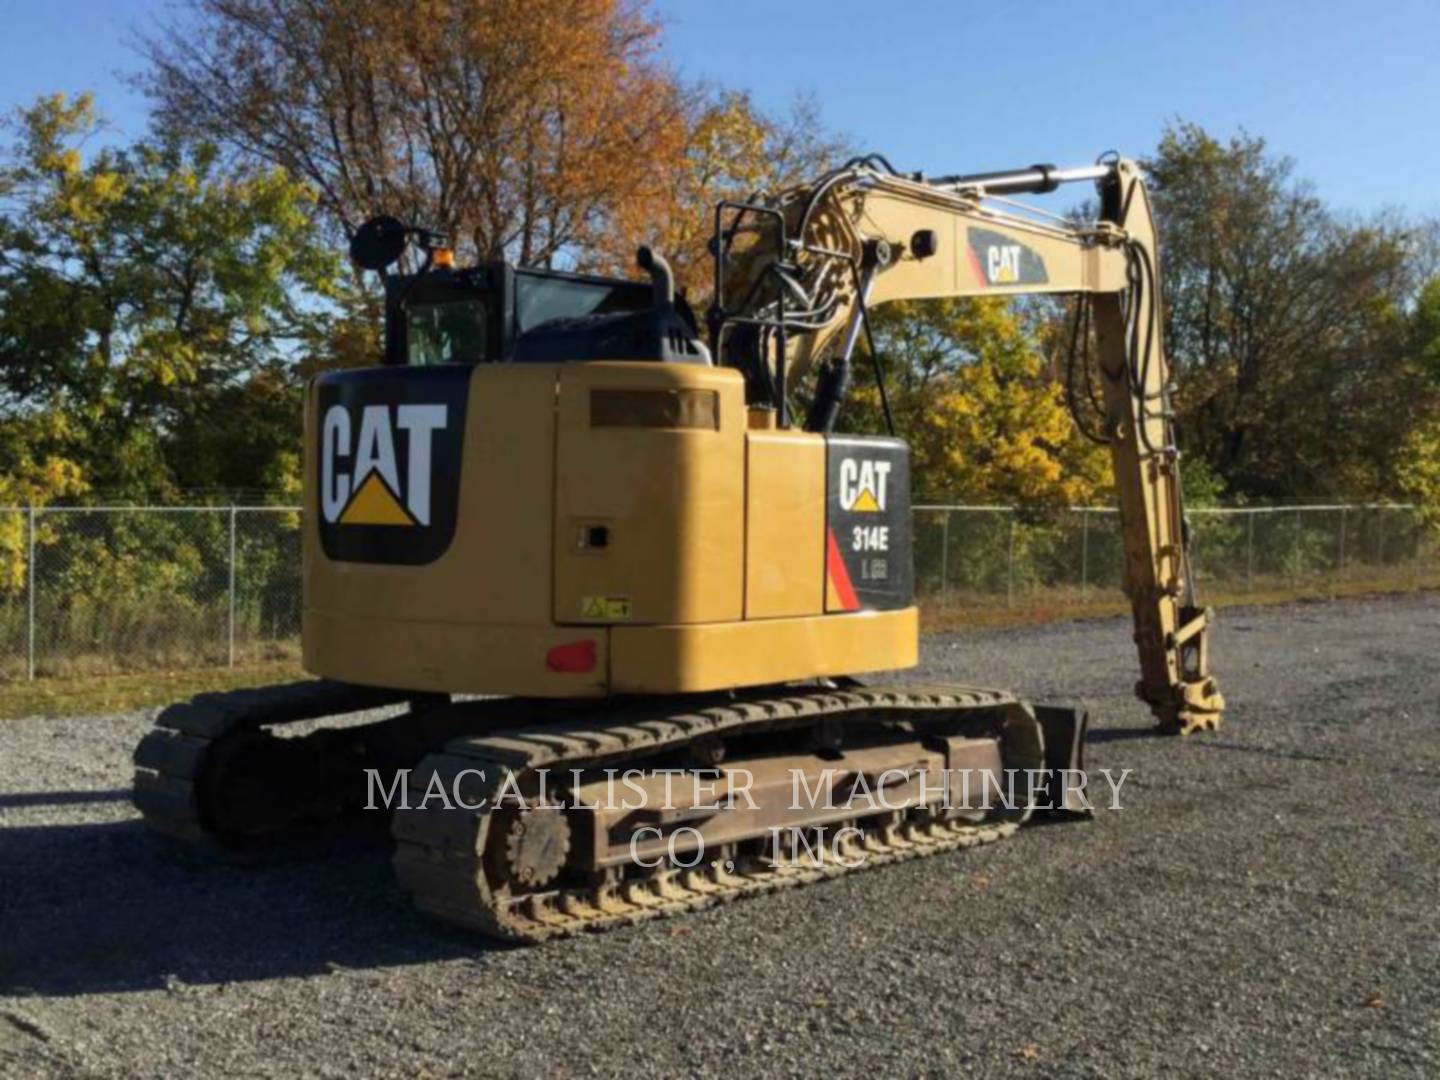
{"x": 378, "y": 243}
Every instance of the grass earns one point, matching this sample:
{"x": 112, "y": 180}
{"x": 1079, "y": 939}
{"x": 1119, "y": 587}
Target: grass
{"x": 96, "y": 694}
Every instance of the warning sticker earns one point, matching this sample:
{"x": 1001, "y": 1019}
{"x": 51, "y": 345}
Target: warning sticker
{"x": 605, "y": 607}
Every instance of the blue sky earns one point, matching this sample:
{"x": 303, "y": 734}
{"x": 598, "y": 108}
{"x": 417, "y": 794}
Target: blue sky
{"x": 1350, "y": 89}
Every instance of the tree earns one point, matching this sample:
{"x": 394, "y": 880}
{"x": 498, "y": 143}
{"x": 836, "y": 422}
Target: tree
{"x": 1425, "y": 330}
{"x": 985, "y": 423}
{"x": 1417, "y": 473}
{"x": 1418, "y": 468}
{"x": 1285, "y": 322}
{"x": 733, "y": 150}
{"x": 138, "y": 289}
{"x": 516, "y": 127}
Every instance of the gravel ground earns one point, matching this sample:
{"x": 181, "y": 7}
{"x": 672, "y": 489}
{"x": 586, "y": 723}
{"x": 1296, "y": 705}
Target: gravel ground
{"x": 1266, "y": 903}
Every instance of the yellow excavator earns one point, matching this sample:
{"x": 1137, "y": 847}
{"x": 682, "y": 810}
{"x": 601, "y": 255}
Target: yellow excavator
{"x": 568, "y": 541}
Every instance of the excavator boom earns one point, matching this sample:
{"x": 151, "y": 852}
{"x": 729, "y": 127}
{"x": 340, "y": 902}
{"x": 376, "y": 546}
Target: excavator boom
{"x": 796, "y": 274}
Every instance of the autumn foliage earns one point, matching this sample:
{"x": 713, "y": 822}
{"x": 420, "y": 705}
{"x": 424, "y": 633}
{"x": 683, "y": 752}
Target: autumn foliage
{"x": 517, "y": 129}
{"x": 162, "y": 303}
{"x": 985, "y": 421}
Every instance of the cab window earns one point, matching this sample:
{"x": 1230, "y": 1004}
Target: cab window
{"x": 451, "y": 332}
{"x": 541, "y": 297}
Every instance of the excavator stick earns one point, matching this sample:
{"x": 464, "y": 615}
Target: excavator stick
{"x": 1171, "y": 630}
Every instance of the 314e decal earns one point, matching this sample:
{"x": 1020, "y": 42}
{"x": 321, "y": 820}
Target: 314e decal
{"x": 867, "y": 533}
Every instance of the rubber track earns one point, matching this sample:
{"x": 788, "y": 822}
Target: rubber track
{"x": 439, "y": 854}
{"x": 170, "y": 760}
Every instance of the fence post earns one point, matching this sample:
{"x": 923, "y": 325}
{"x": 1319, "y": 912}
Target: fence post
{"x": 30, "y": 591}
{"x": 1417, "y": 529}
{"x": 945, "y": 558}
{"x": 232, "y": 587}
{"x": 1084, "y": 553}
{"x": 1341, "y": 572}
{"x": 1010, "y": 566}
{"x": 1250, "y": 550}
{"x": 1295, "y": 554}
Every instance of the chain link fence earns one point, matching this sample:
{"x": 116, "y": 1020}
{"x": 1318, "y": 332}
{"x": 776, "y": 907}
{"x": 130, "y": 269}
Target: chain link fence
{"x": 88, "y": 591}
{"x": 996, "y": 556}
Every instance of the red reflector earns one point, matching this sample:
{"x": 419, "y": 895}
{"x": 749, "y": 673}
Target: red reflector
{"x": 576, "y": 656}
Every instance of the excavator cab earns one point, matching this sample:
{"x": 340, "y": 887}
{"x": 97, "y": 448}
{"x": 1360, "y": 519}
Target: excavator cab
{"x": 496, "y": 312}
{"x": 478, "y": 314}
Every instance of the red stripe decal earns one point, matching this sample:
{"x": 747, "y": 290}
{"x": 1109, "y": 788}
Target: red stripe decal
{"x": 839, "y": 576}
{"x": 980, "y": 274}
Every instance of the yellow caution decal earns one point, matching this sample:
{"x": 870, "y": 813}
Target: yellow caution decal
{"x": 614, "y": 608}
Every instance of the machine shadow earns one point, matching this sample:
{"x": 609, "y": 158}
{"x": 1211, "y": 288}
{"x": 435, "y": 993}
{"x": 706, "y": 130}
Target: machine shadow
{"x": 107, "y": 907}
{"x": 62, "y": 798}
